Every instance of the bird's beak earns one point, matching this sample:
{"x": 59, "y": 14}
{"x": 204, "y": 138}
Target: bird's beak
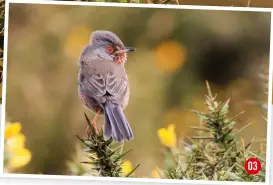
{"x": 130, "y": 49}
{"x": 127, "y": 49}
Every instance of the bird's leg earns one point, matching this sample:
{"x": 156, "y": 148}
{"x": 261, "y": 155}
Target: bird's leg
{"x": 94, "y": 124}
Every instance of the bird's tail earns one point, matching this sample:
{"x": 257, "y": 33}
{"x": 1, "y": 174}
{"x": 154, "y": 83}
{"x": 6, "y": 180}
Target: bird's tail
{"x": 116, "y": 124}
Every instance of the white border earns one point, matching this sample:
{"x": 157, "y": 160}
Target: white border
{"x": 120, "y": 179}
{"x": 113, "y": 179}
{"x": 190, "y": 7}
{"x": 4, "y": 84}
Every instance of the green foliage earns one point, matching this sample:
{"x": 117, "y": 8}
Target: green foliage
{"x": 103, "y": 156}
{"x": 216, "y": 153}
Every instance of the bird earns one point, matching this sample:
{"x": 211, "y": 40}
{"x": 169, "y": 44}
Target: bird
{"x": 103, "y": 84}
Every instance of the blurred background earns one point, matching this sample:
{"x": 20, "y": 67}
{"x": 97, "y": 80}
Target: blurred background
{"x": 177, "y": 51}
{"x": 237, "y": 3}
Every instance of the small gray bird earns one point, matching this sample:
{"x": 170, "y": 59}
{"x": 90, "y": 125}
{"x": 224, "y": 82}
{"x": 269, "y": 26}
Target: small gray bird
{"x": 103, "y": 83}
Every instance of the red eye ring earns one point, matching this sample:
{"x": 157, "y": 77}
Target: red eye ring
{"x": 110, "y": 49}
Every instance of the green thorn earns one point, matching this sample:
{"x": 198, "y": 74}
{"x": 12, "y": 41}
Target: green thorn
{"x": 132, "y": 171}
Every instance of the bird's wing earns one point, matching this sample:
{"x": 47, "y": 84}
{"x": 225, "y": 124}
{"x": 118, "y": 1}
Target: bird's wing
{"x": 104, "y": 80}
{"x": 116, "y": 86}
{"x": 92, "y": 83}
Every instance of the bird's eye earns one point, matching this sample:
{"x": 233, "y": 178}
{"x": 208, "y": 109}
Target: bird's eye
{"x": 110, "y": 49}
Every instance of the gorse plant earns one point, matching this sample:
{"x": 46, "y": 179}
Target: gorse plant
{"x": 216, "y": 153}
{"x": 103, "y": 156}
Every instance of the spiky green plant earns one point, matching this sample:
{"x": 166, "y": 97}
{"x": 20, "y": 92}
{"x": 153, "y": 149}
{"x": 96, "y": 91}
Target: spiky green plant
{"x": 104, "y": 157}
{"x": 216, "y": 154}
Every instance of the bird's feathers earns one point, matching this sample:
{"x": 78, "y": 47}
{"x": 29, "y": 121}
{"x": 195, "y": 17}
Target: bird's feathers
{"x": 116, "y": 124}
{"x": 100, "y": 79}
{"x": 99, "y": 37}
{"x": 103, "y": 83}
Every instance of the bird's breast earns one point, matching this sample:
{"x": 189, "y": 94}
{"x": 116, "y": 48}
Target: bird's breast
{"x": 108, "y": 66}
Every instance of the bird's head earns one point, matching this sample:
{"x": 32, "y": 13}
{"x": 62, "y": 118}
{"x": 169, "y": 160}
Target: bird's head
{"x": 109, "y": 46}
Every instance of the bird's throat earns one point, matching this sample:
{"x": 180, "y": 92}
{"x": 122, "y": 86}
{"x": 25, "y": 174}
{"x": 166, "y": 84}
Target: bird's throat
{"x": 120, "y": 59}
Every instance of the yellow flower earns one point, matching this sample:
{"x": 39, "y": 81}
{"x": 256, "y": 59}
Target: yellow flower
{"x": 19, "y": 158}
{"x": 167, "y": 136}
{"x": 17, "y": 155}
{"x": 127, "y": 167}
{"x": 17, "y": 141}
{"x": 12, "y": 129}
{"x": 170, "y": 56}
{"x": 155, "y": 173}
